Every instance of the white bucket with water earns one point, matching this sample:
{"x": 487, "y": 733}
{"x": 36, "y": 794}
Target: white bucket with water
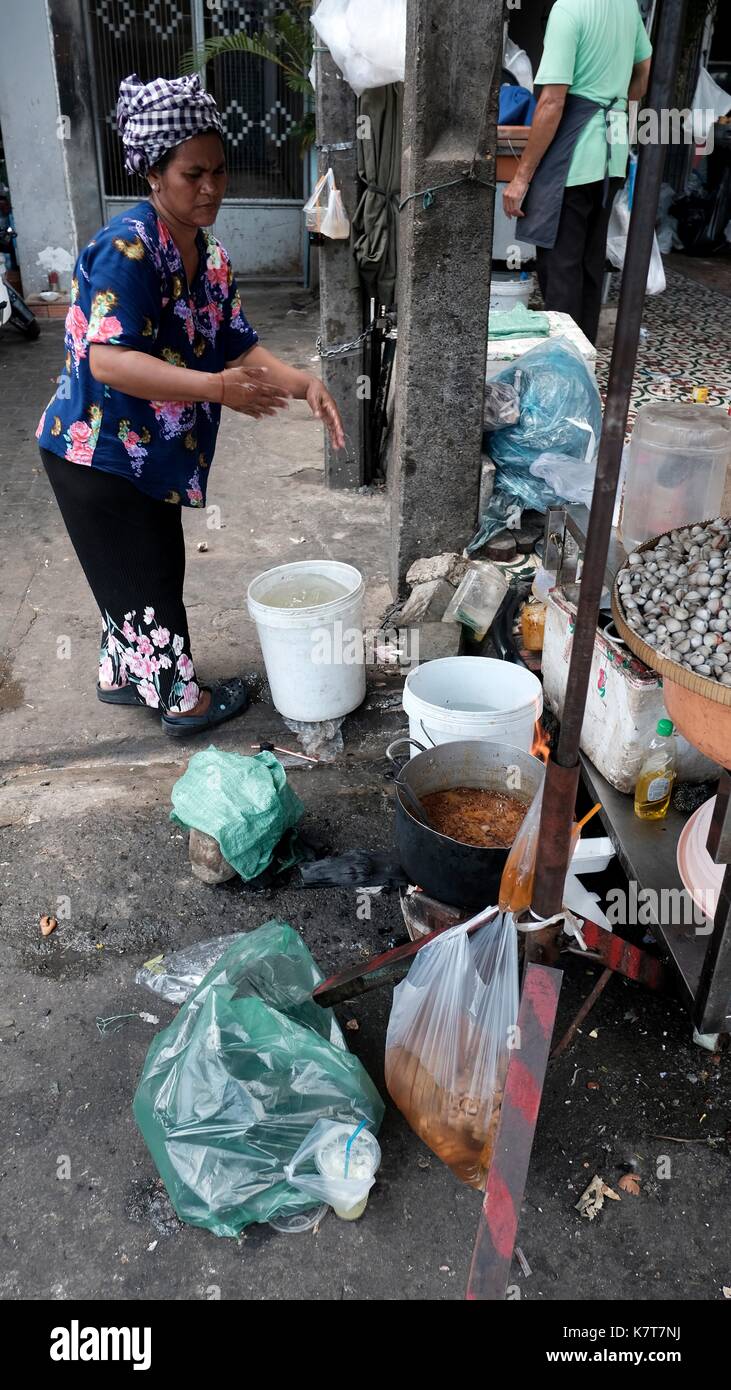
{"x": 457, "y": 697}
{"x": 507, "y": 290}
{"x": 309, "y": 621}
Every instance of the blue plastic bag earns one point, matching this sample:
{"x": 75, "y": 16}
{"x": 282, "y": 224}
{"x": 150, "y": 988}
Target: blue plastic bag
{"x": 560, "y": 409}
{"x": 560, "y": 414}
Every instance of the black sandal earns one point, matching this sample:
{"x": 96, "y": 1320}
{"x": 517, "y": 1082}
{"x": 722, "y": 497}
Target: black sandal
{"x": 120, "y": 695}
{"x": 228, "y": 698}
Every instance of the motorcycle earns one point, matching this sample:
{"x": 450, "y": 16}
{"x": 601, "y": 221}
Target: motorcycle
{"x": 13, "y": 309}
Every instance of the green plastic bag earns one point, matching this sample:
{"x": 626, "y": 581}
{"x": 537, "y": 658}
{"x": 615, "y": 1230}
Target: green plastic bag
{"x": 233, "y": 1086}
{"x": 518, "y": 322}
{"x": 246, "y": 804}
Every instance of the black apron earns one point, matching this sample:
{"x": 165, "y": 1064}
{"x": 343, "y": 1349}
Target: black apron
{"x": 542, "y": 206}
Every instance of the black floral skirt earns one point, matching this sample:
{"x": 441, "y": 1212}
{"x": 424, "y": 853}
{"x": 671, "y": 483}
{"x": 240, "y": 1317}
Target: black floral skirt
{"x": 132, "y": 551}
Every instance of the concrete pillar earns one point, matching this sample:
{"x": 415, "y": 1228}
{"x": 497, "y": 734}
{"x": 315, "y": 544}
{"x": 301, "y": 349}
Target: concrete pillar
{"x": 48, "y": 133}
{"x": 71, "y": 44}
{"x": 341, "y": 304}
{"x": 453, "y": 65}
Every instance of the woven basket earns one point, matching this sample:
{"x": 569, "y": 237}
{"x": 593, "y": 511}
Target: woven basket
{"x": 704, "y": 686}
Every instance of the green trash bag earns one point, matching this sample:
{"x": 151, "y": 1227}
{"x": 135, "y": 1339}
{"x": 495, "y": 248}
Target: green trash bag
{"x": 232, "y": 1087}
{"x": 246, "y": 804}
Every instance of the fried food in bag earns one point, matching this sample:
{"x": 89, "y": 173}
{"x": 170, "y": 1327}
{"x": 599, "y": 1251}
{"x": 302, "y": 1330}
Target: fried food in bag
{"x": 448, "y": 1042}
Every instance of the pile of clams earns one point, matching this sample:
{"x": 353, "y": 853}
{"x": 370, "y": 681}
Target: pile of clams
{"x": 676, "y": 595}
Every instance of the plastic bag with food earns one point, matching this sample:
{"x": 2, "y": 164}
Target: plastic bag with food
{"x": 324, "y": 210}
{"x": 448, "y": 1042}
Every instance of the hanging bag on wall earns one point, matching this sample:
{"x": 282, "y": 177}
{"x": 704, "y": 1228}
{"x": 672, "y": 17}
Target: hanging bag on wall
{"x": 324, "y": 210}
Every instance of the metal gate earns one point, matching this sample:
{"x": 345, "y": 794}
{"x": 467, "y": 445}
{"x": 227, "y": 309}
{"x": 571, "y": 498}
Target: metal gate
{"x": 260, "y": 221}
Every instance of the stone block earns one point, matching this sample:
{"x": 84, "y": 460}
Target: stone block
{"x": 426, "y": 603}
{"x": 449, "y": 566}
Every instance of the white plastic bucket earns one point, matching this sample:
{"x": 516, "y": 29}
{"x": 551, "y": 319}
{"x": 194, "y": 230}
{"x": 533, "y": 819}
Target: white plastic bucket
{"x": 507, "y": 290}
{"x": 314, "y": 656}
{"x": 458, "y": 697}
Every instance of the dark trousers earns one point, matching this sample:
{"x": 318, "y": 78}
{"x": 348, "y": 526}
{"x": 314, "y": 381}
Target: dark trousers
{"x": 571, "y": 274}
{"x": 131, "y": 549}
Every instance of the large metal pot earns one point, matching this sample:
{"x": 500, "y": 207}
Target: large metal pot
{"x": 455, "y": 873}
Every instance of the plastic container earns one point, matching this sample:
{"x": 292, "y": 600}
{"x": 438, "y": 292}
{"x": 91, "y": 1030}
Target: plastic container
{"x": 507, "y": 290}
{"x": 676, "y": 471}
{"x": 314, "y": 652}
{"x": 533, "y": 626}
{"x": 365, "y": 1159}
{"x": 654, "y": 784}
{"x": 458, "y": 697}
{"x": 478, "y": 598}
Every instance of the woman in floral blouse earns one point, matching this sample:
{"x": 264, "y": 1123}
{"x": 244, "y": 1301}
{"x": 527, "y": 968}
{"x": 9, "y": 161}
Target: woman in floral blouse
{"x": 156, "y": 344}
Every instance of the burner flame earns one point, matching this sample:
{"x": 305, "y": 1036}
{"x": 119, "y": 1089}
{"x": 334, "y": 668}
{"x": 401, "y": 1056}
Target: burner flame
{"x": 540, "y": 747}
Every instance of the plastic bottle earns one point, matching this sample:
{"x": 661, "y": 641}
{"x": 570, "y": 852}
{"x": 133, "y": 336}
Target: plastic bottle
{"x": 655, "y": 783}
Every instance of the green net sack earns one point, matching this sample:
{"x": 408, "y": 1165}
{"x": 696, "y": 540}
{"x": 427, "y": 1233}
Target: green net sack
{"x": 245, "y": 803}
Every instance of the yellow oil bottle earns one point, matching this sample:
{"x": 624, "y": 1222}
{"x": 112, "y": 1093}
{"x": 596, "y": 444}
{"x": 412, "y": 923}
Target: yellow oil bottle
{"x": 654, "y": 785}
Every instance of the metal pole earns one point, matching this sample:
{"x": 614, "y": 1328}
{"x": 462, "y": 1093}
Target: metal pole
{"x": 558, "y": 807}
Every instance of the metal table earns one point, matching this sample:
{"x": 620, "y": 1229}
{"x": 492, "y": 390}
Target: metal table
{"x": 699, "y": 950}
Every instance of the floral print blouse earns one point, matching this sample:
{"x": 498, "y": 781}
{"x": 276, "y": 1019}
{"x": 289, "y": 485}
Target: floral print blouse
{"x": 130, "y": 288}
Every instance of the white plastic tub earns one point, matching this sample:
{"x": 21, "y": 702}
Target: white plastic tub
{"x": 458, "y": 697}
{"x": 314, "y": 655}
{"x": 507, "y": 290}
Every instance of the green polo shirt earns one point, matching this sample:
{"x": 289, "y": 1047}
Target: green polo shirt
{"x": 592, "y": 46}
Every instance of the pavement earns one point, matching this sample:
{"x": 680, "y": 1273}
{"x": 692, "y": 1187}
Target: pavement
{"x": 84, "y": 817}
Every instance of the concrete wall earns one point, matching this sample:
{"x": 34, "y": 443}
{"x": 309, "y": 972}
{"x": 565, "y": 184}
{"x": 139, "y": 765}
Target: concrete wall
{"x": 36, "y": 159}
{"x": 46, "y": 93}
{"x": 264, "y": 240}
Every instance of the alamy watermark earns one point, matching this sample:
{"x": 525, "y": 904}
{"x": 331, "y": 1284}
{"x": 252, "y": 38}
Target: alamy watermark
{"x": 337, "y": 645}
{"x": 644, "y": 907}
{"x": 670, "y": 126}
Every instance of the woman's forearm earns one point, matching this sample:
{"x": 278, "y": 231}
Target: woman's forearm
{"x": 295, "y": 382}
{"x": 139, "y": 374}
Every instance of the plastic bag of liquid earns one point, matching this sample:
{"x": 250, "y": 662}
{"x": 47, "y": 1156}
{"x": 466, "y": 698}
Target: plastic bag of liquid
{"x": 233, "y": 1086}
{"x": 448, "y": 1042}
{"x": 617, "y": 244}
{"x": 324, "y": 210}
{"x": 337, "y": 1163}
{"x": 516, "y": 884}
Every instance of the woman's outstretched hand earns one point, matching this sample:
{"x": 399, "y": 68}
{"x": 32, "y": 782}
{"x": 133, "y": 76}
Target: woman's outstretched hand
{"x": 323, "y": 407}
{"x": 247, "y": 390}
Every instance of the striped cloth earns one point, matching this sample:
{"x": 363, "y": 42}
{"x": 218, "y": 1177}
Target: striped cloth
{"x": 152, "y": 117}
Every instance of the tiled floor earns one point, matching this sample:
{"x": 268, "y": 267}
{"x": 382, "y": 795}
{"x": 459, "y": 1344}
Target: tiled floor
{"x": 686, "y": 342}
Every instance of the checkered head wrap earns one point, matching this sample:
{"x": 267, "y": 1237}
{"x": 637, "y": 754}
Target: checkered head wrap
{"x": 152, "y": 117}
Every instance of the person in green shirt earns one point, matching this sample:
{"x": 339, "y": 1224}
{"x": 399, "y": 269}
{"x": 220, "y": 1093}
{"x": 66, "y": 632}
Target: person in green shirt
{"x": 596, "y": 58}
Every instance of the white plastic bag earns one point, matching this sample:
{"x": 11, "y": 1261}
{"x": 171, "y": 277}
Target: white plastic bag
{"x": 367, "y": 39}
{"x": 324, "y": 210}
{"x": 449, "y": 1038}
{"x": 572, "y": 479}
{"x": 617, "y": 244}
{"x": 709, "y": 103}
{"x": 517, "y": 62}
{"x": 316, "y": 1166}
